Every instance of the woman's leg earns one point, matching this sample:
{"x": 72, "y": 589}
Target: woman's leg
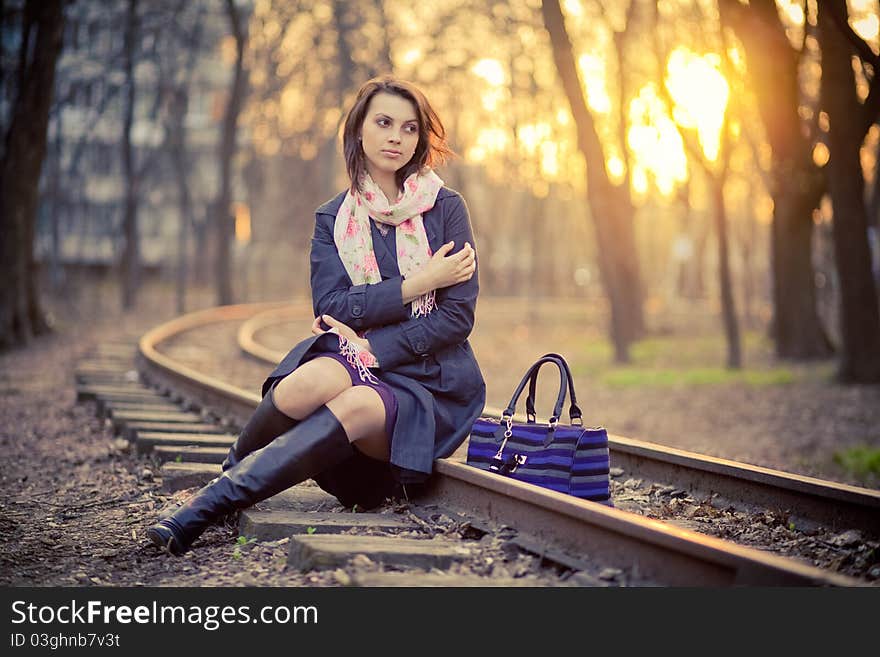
{"x": 301, "y": 392}
{"x": 361, "y": 412}
{"x": 309, "y": 386}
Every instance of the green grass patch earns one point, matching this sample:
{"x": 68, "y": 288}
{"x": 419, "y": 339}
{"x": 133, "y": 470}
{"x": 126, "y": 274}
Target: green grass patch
{"x": 635, "y": 377}
{"x": 775, "y": 377}
{"x": 675, "y": 360}
{"x": 861, "y": 461}
{"x": 700, "y": 351}
{"x": 239, "y": 543}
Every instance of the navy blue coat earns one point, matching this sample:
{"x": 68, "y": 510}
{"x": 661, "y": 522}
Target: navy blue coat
{"x": 427, "y": 361}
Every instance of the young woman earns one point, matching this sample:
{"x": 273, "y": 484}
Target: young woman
{"x": 388, "y": 381}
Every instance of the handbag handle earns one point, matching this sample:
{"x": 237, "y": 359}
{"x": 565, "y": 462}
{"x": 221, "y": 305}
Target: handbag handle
{"x": 574, "y": 411}
{"x": 532, "y": 373}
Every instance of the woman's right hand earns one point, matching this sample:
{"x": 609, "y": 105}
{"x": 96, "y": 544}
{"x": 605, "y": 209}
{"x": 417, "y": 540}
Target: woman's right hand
{"x": 445, "y": 271}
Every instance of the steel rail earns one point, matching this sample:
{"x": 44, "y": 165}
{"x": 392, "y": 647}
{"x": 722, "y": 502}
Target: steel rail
{"x": 650, "y": 548}
{"x": 247, "y": 332}
{"x": 655, "y": 550}
{"x": 806, "y": 500}
{"x": 224, "y": 400}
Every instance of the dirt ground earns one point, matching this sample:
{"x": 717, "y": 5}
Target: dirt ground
{"x": 74, "y": 501}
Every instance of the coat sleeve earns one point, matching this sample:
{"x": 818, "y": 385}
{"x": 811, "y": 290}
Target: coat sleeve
{"x": 451, "y": 321}
{"x": 361, "y": 307}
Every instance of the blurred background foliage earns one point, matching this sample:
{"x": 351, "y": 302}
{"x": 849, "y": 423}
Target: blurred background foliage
{"x": 189, "y": 142}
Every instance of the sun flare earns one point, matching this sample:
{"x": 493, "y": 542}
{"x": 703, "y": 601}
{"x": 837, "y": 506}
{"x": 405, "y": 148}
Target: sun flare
{"x": 655, "y": 142}
{"x": 700, "y": 93}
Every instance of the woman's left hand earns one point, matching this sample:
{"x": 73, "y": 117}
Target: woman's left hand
{"x": 342, "y": 329}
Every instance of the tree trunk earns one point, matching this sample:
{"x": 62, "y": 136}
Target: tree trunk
{"x": 384, "y": 57}
{"x": 223, "y": 218}
{"x": 728, "y": 307}
{"x": 54, "y": 204}
{"x": 21, "y": 316}
{"x": 611, "y": 206}
{"x": 873, "y": 201}
{"x": 797, "y": 330}
{"x": 688, "y": 279}
{"x": 798, "y": 184}
{"x": 184, "y": 199}
{"x": 342, "y": 24}
{"x": 748, "y": 237}
{"x": 860, "y": 318}
{"x": 703, "y": 231}
{"x": 130, "y": 260}
{"x": 533, "y": 282}
{"x": 177, "y": 98}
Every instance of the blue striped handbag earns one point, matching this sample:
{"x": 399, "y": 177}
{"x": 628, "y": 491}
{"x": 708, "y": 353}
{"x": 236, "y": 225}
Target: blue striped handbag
{"x": 568, "y": 458}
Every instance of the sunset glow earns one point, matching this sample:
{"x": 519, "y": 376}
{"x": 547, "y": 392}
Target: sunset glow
{"x": 867, "y": 27}
{"x": 491, "y": 71}
{"x": 700, "y": 93}
{"x": 592, "y": 70}
{"x": 793, "y": 11}
{"x": 502, "y": 124}
{"x": 655, "y": 142}
{"x": 531, "y": 135}
{"x": 411, "y": 56}
{"x": 489, "y": 141}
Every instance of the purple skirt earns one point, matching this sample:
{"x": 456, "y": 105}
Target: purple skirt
{"x": 360, "y": 480}
{"x": 387, "y": 395}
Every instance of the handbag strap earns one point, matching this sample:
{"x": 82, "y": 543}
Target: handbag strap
{"x": 532, "y": 373}
{"x": 574, "y": 411}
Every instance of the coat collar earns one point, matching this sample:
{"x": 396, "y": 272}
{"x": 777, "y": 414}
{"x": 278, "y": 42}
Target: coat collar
{"x": 331, "y": 207}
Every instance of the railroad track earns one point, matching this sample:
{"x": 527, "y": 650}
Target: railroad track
{"x": 620, "y": 545}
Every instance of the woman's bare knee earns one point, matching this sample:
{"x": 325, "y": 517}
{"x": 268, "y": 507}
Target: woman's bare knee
{"x": 309, "y": 386}
{"x": 361, "y": 413}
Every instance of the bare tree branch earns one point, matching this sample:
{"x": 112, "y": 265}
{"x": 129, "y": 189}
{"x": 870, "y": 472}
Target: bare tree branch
{"x": 861, "y": 48}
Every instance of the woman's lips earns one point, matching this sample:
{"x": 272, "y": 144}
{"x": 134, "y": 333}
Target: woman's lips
{"x": 392, "y": 154}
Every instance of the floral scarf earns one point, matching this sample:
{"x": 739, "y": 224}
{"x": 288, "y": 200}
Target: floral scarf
{"x": 354, "y": 242}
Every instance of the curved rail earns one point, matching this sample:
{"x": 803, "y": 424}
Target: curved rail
{"x": 226, "y": 400}
{"x": 658, "y": 551}
{"x": 247, "y": 332}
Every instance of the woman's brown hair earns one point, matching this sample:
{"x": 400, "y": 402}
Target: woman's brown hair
{"x": 432, "y": 149}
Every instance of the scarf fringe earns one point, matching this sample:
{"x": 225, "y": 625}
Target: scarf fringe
{"x": 352, "y": 355}
{"x": 423, "y": 306}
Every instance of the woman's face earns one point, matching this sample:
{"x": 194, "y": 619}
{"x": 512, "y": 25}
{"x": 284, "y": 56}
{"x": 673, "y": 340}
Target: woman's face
{"x": 390, "y": 134}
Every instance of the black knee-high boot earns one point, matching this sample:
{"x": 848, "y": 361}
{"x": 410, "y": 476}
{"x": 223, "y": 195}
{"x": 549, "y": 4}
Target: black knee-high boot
{"x": 316, "y": 443}
{"x": 262, "y": 427}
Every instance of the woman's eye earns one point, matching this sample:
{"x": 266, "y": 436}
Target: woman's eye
{"x": 412, "y": 129}
{"x": 382, "y": 122}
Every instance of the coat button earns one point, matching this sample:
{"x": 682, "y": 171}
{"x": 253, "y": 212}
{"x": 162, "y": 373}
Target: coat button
{"x": 357, "y": 311}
